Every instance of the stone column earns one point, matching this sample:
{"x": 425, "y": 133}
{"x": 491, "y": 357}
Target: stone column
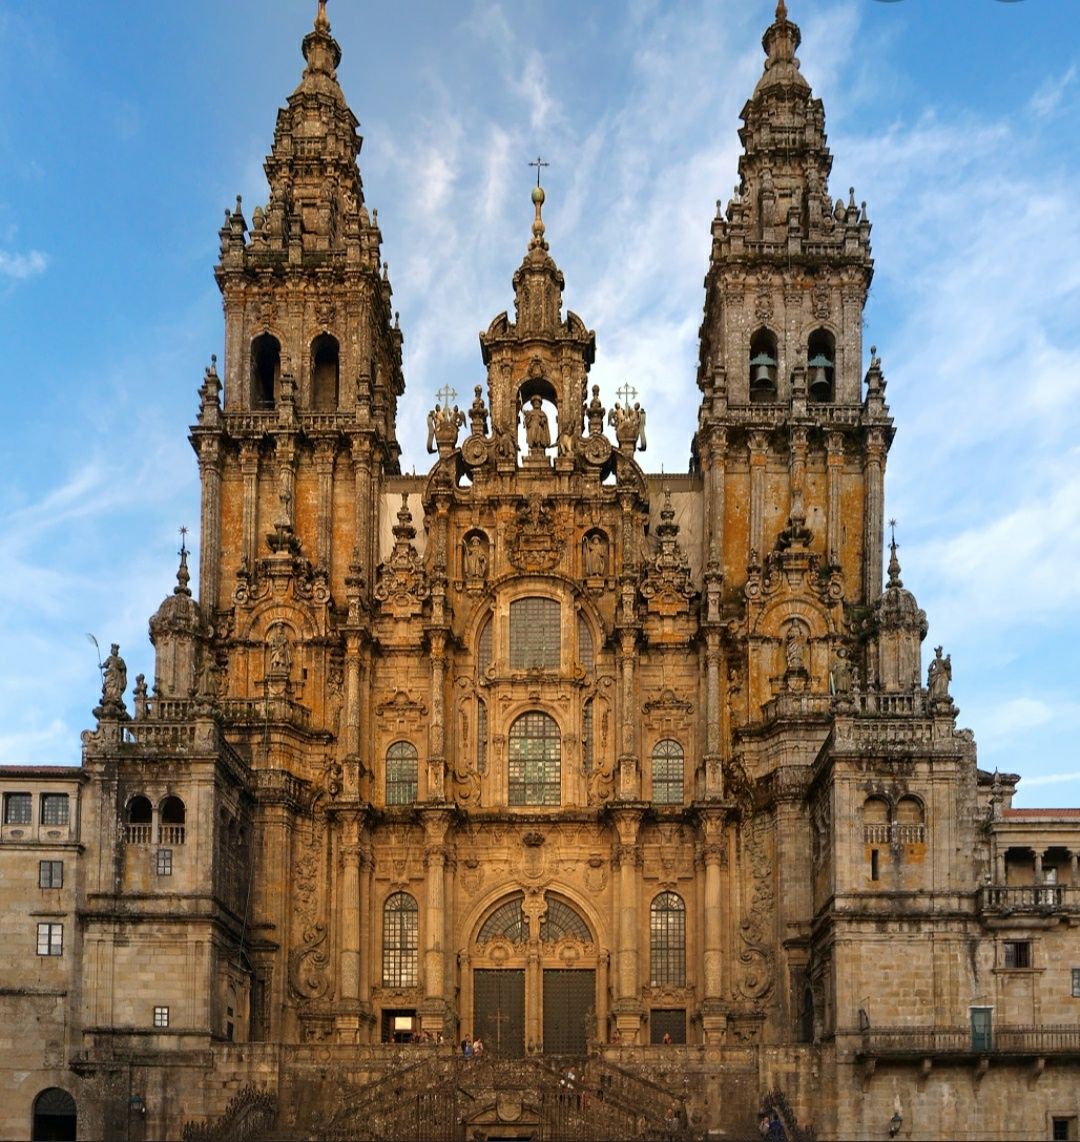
{"x": 349, "y": 909}
{"x": 366, "y": 867}
{"x": 436, "y": 774}
{"x": 432, "y": 1012}
{"x": 715, "y": 492}
{"x": 249, "y": 470}
{"x": 628, "y": 1008}
{"x": 1074, "y": 879}
{"x": 835, "y": 470}
{"x": 714, "y": 775}
{"x": 1038, "y": 854}
{"x": 534, "y": 907}
{"x": 759, "y": 453}
{"x": 210, "y": 515}
{"x": 629, "y": 784}
{"x": 366, "y": 511}
{"x": 873, "y": 513}
{"x": 352, "y": 713}
{"x": 324, "y": 470}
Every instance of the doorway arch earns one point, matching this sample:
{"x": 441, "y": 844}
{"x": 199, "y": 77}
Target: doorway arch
{"x": 538, "y": 977}
{"x": 55, "y": 1116}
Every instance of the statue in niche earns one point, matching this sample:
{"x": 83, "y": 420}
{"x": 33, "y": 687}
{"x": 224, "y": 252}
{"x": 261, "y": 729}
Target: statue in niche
{"x": 841, "y": 673}
{"x": 595, "y": 556}
{"x": 113, "y": 679}
{"x": 537, "y": 430}
{"x": 279, "y": 649}
{"x": 938, "y": 677}
{"x": 795, "y": 649}
{"x": 476, "y": 558}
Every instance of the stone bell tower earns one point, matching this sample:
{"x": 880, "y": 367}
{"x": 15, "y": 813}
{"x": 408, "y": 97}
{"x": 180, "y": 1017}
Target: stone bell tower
{"x": 312, "y": 375}
{"x": 791, "y": 443}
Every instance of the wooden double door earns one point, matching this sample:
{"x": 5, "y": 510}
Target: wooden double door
{"x": 567, "y": 1000}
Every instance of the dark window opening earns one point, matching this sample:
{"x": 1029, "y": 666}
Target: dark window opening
{"x": 763, "y": 367}
{"x": 875, "y": 867}
{"x": 821, "y": 366}
{"x": 325, "y": 372}
{"x": 265, "y": 370}
{"x": 1017, "y": 954}
{"x": 55, "y": 1118}
{"x": 399, "y": 1026}
{"x": 667, "y": 1025}
{"x": 172, "y": 816}
{"x": 138, "y": 822}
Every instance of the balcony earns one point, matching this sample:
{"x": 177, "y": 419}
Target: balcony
{"x": 1030, "y": 899}
{"x": 916, "y": 1043}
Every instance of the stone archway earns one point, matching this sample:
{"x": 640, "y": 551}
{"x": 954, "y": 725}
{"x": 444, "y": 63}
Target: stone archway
{"x": 534, "y": 964}
{"x": 55, "y": 1117}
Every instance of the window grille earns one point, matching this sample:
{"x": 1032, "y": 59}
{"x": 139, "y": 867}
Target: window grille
{"x": 667, "y": 940}
{"x": 667, "y": 773}
{"x": 50, "y": 939}
{"x": 401, "y": 774}
{"x": 1017, "y": 954}
{"x": 535, "y": 762}
{"x": 401, "y": 932}
{"x": 18, "y": 808}
{"x": 535, "y": 634}
{"x": 562, "y": 921}
{"x": 50, "y": 874}
{"x": 507, "y": 921}
{"x": 54, "y": 808}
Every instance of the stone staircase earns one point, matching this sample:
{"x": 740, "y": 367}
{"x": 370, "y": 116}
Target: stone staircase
{"x": 451, "y": 1099}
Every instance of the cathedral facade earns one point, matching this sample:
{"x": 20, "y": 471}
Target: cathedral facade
{"x": 645, "y": 772}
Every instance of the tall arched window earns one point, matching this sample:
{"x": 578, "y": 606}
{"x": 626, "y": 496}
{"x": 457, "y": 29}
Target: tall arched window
{"x": 667, "y": 772}
{"x": 265, "y": 370}
{"x": 401, "y": 774}
{"x": 535, "y": 769}
{"x": 401, "y": 941}
{"x": 324, "y": 372}
{"x": 585, "y": 653}
{"x": 171, "y": 821}
{"x": 483, "y": 648}
{"x": 535, "y": 634}
{"x": 667, "y": 940}
{"x": 138, "y": 821}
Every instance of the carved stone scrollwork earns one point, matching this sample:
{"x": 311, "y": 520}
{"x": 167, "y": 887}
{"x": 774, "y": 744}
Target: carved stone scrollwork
{"x": 308, "y": 964}
{"x": 755, "y": 980}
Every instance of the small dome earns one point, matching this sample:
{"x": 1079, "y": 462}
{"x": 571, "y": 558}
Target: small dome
{"x": 178, "y": 613}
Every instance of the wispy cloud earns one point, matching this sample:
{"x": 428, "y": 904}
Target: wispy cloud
{"x": 19, "y": 267}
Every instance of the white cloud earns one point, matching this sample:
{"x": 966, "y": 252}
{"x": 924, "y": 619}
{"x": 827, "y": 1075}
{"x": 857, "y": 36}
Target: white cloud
{"x": 19, "y": 267}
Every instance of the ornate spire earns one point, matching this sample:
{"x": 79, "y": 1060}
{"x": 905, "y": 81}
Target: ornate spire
{"x": 780, "y": 41}
{"x": 894, "y": 563}
{"x": 538, "y": 282}
{"x": 321, "y": 50}
{"x": 183, "y": 577}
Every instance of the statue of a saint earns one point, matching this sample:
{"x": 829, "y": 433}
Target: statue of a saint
{"x": 476, "y": 560}
{"x": 280, "y": 651}
{"x": 938, "y": 677}
{"x": 113, "y": 679}
{"x": 537, "y": 431}
{"x": 595, "y": 556}
{"x": 795, "y": 648}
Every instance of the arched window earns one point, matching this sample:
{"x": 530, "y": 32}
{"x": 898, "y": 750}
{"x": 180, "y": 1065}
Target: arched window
{"x": 588, "y": 748}
{"x": 910, "y": 825}
{"x": 483, "y": 648}
{"x": 667, "y": 772}
{"x": 535, "y": 634}
{"x": 171, "y": 821}
{"x": 585, "y": 653}
{"x": 763, "y": 366}
{"x": 401, "y": 771}
{"x": 55, "y": 1117}
{"x": 138, "y": 821}
{"x": 667, "y": 940}
{"x": 507, "y": 921}
{"x": 561, "y": 921}
{"x": 265, "y": 370}
{"x": 401, "y": 941}
{"x": 481, "y": 736}
{"x": 875, "y": 815}
{"x": 324, "y": 372}
{"x": 535, "y": 770}
{"x": 821, "y": 365}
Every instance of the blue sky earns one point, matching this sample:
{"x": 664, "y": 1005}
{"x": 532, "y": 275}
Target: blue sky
{"x": 126, "y": 129}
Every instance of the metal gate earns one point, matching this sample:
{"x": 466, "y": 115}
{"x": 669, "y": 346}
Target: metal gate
{"x": 499, "y": 1010}
{"x": 569, "y": 1001}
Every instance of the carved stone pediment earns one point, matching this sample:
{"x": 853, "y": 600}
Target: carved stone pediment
{"x": 535, "y": 540}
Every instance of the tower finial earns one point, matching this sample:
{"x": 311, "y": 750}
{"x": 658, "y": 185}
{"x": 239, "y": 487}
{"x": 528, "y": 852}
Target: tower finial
{"x": 322, "y": 23}
{"x": 894, "y": 563}
{"x": 538, "y": 197}
{"x": 781, "y": 10}
{"x": 183, "y": 577}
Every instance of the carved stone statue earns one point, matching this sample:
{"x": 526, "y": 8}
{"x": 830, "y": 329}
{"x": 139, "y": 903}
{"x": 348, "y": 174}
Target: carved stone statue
{"x": 476, "y": 559}
{"x": 629, "y": 425}
{"x": 795, "y": 649}
{"x": 938, "y": 677}
{"x": 595, "y": 556}
{"x": 841, "y": 673}
{"x": 280, "y": 651}
{"x": 113, "y": 680}
{"x": 537, "y": 430}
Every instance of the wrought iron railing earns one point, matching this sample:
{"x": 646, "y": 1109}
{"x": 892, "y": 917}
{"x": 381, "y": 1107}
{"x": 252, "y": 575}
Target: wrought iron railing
{"x": 1045, "y": 1039}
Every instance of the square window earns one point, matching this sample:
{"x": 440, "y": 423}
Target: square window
{"x": 1076, "y": 983}
{"x": 54, "y": 808}
{"x": 50, "y": 939}
{"x": 50, "y": 874}
{"x": 161, "y": 1017}
{"x": 18, "y": 808}
{"x": 1063, "y": 1127}
{"x": 1017, "y": 954}
{"x": 163, "y": 864}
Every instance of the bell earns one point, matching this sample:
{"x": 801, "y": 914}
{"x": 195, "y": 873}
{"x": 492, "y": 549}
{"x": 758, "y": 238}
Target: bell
{"x": 762, "y": 377}
{"x": 820, "y": 386}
